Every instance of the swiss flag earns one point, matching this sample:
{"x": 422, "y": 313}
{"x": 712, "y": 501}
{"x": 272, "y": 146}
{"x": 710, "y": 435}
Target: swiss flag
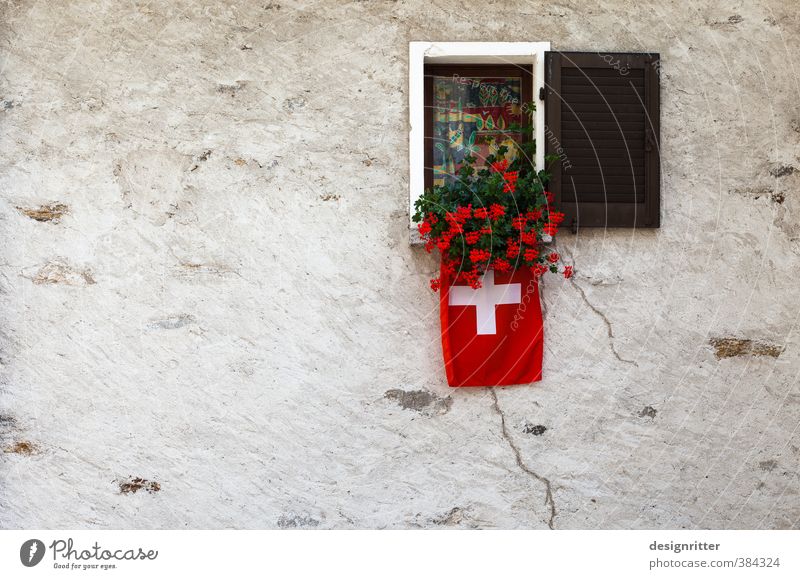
{"x": 492, "y": 336}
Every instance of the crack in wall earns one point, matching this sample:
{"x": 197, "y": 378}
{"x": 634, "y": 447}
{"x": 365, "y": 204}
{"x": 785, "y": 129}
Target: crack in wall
{"x": 548, "y": 498}
{"x": 608, "y": 325}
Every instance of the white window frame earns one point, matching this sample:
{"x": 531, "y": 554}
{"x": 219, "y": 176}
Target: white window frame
{"x": 501, "y": 53}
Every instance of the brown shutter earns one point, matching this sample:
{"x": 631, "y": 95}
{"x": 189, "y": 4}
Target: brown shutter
{"x": 602, "y": 121}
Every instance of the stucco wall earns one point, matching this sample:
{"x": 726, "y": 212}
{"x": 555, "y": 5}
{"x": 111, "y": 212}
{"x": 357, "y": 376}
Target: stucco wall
{"x": 206, "y": 281}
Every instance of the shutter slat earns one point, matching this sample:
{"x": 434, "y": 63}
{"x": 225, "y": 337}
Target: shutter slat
{"x": 594, "y": 183}
{"x": 604, "y": 85}
{"x": 617, "y": 133}
{"x": 589, "y": 124}
{"x": 574, "y": 85}
{"x": 608, "y": 197}
{"x": 595, "y": 170}
{"x": 629, "y": 98}
{"x": 609, "y": 116}
{"x": 615, "y": 163}
{"x": 600, "y": 71}
{"x": 605, "y": 107}
{"x": 605, "y": 154}
{"x": 590, "y": 80}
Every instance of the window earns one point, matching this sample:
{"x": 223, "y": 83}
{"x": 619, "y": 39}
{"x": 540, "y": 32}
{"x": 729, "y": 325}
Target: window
{"x": 525, "y": 61}
{"x": 597, "y": 116}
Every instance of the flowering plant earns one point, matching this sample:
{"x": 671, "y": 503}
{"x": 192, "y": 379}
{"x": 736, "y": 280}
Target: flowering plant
{"x": 493, "y": 217}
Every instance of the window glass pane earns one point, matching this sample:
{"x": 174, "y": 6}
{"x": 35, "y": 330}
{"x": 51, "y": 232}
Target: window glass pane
{"x": 472, "y": 116}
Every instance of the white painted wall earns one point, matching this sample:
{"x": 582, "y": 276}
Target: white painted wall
{"x": 228, "y": 305}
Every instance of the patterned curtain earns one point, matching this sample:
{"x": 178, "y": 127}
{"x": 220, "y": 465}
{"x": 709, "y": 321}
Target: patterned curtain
{"x": 472, "y": 116}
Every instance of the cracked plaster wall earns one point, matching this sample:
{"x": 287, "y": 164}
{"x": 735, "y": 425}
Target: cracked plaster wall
{"x": 211, "y": 316}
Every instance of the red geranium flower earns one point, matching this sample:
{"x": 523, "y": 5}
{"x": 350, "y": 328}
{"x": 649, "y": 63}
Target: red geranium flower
{"x": 496, "y": 211}
{"x": 539, "y": 269}
{"x": 455, "y": 229}
{"x": 479, "y": 255}
{"x": 463, "y": 213}
{"x": 510, "y": 184}
{"x": 473, "y": 237}
{"x": 500, "y": 166}
{"x": 519, "y": 223}
{"x": 472, "y": 277}
{"x": 501, "y": 264}
{"x": 567, "y": 272}
{"x": 553, "y": 257}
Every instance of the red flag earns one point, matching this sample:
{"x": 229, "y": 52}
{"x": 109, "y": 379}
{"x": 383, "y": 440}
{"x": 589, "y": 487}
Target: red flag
{"x": 492, "y": 336}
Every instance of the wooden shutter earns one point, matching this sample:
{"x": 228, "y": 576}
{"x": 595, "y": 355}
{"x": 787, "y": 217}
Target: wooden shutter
{"x": 602, "y": 121}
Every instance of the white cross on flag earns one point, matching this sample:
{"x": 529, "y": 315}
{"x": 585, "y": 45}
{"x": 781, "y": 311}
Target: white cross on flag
{"x": 492, "y": 336}
{"x": 485, "y": 299}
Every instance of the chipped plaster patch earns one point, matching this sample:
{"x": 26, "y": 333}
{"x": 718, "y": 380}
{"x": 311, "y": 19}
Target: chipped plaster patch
{"x": 24, "y": 447}
{"x": 51, "y": 212}
{"x": 132, "y": 485}
{"x": 61, "y": 271}
{"x": 422, "y": 401}
{"x": 295, "y": 521}
{"x": 734, "y": 347}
